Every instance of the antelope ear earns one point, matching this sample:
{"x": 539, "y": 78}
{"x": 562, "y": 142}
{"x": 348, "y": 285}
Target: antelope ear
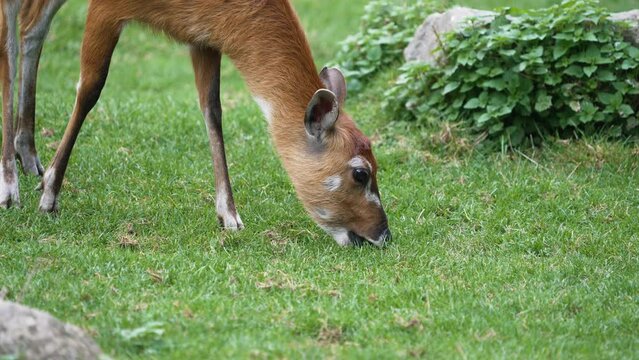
{"x": 321, "y": 114}
{"x": 333, "y": 79}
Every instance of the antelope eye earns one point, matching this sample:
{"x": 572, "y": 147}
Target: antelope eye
{"x": 361, "y": 176}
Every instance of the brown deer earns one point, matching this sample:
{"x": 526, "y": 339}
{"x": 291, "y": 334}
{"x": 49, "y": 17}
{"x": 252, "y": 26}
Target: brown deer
{"x": 17, "y": 139}
{"x": 327, "y": 157}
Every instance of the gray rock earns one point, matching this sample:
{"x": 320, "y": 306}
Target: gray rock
{"x": 428, "y": 36}
{"x": 33, "y": 334}
{"x": 632, "y": 17}
{"x": 426, "y": 40}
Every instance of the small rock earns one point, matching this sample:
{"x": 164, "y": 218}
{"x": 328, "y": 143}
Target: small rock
{"x": 33, "y": 334}
{"x": 428, "y": 36}
{"x": 632, "y": 17}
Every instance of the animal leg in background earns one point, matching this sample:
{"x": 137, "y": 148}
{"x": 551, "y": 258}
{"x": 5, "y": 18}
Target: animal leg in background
{"x": 33, "y": 33}
{"x": 9, "y": 193}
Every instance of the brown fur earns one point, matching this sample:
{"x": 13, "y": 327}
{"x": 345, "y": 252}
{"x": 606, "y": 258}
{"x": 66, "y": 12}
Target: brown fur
{"x": 8, "y": 151}
{"x": 8, "y": 78}
{"x": 267, "y": 44}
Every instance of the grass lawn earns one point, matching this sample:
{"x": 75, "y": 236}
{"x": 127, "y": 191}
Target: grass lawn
{"x": 516, "y": 255}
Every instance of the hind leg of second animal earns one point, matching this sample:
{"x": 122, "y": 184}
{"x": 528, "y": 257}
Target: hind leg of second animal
{"x": 34, "y": 32}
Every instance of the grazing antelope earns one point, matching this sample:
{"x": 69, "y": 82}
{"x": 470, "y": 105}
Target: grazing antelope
{"x": 35, "y": 17}
{"x": 327, "y": 157}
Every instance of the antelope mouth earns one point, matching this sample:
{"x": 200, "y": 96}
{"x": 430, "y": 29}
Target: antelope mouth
{"x": 357, "y": 240}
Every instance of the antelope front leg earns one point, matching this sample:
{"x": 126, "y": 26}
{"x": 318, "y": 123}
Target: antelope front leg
{"x": 9, "y": 194}
{"x": 100, "y": 38}
{"x": 33, "y": 33}
{"x": 206, "y": 63}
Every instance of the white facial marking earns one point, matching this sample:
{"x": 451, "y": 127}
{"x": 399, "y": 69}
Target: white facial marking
{"x": 379, "y": 242}
{"x": 266, "y": 108}
{"x": 340, "y": 235}
{"x": 373, "y": 198}
{"x": 77, "y": 86}
{"x": 359, "y": 162}
{"x": 48, "y": 201}
{"x": 332, "y": 183}
{"x": 323, "y": 214}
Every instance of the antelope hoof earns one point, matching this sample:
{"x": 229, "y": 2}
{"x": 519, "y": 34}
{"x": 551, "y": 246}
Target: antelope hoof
{"x": 30, "y": 164}
{"x": 49, "y": 199}
{"x": 9, "y": 193}
{"x": 48, "y": 203}
{"x": 230, "y": 221}
{"x": 25, "y": 152}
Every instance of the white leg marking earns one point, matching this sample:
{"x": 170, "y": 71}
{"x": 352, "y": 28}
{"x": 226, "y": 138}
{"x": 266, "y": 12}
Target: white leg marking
{"x": 266, "y": 108}
{"x": 49, "y": 199}
{"x": 332, "y": 183}
{"x": 9, "y": 193}
{"x": 229, "y": 219}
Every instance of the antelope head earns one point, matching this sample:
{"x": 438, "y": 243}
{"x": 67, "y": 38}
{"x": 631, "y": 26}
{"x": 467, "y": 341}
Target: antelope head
{"x": 337, "y": 178}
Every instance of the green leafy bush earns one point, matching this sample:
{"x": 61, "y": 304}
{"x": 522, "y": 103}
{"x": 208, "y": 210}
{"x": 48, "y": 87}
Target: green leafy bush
{"x": 562, "y": 70}
{"x": 386, "y": 29}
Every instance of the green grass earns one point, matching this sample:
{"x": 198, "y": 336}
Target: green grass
{"x": 495, "y": 256}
